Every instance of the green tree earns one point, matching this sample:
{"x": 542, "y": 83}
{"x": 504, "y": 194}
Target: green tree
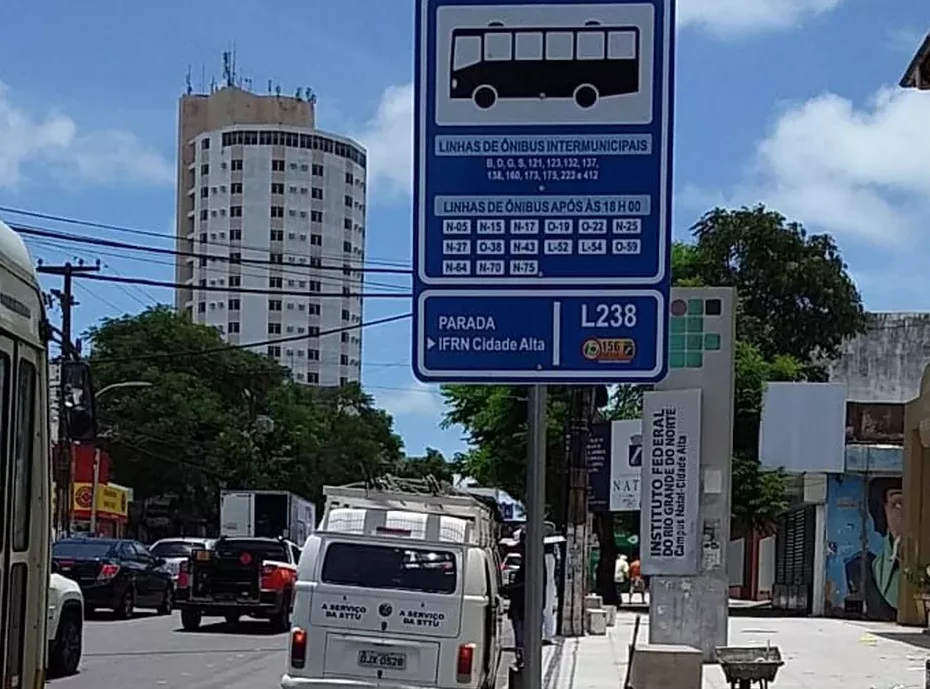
{"x": 222, "y": 417}
{"x": 432, "y": 463}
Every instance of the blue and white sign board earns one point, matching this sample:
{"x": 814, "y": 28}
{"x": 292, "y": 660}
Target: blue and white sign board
{"x": 542, "y": 190}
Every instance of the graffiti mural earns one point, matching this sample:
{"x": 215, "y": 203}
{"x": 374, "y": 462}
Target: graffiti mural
{"x": 864, "y": 524}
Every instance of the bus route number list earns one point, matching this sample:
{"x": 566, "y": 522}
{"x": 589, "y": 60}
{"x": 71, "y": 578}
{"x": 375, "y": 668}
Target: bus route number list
{"x": 524, "y": 247}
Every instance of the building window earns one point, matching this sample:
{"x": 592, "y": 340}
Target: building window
{"x": 348, "y": 201}
{"x": 235, "y": 188}
{"x": 201, "y": 307}
{"x": 277, "y": 211}
{"x": 274, "y": 351}
{"x": 235, "y": 281}
{"x": 277, "y": 188}
{"x": 317, "y": 170}
{"x": 234, "y": 305}
{"x": 344, "y": 360}
{"x": 274, "y": 328}
{"x": 316, "y": 193}
{"x": 347, "y": 247}
{"x": 205, "y": 144}
{"x": 204, "y": 192}
{"x": 293, "y": 189}
{"x": 276, "y": 258}
{"x": 343, "y": 380}
{"x": 233, "y": 326}
{"x": 314, "y": 309}
{"x": 347, "y": 224}
{"x": 349, "y": 178}
{"x": 235, "y": 257}
{"x": 277, "y": 165}
{"x": 345, "y": 314}
{"x": 345, "y": 337}
{"x": 313, "y": 331}
{"x": 204, "y": 214}
{"x": 274, "y": 304}
{"x": 235, "y": 235}
{"x": 205, "y": 169}
{"x": 236, "y": 164}
{"x": 277, "y": 235}
{"x": 203, "y": 261}
{"x": 313, "y": 377}
{"x": 235, "y": 211}
{"x": 316, "y": 286}
{"x": 316, "y": 216}
{"x": 303, "y": 167}
{"x": 313, "y": 354}
{"x": 275, "y": 283}
{"x": 316, "y": 240}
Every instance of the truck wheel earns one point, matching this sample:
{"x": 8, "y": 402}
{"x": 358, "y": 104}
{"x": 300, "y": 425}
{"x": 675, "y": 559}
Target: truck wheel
{"x": 65, "y": 652}
{"x": 190, "y": 619}
{"x": 281, "y": 620}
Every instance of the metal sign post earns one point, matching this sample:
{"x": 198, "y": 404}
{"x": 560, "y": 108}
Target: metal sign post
{"x": 542, "y": 203}
{"x": 535, "y": 553}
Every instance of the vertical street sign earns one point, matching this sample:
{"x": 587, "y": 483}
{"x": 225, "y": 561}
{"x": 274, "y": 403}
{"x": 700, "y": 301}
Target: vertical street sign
{"x": 542, "y": 194}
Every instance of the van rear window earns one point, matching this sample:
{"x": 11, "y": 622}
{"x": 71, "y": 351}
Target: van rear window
{"x": 389, "y": 567}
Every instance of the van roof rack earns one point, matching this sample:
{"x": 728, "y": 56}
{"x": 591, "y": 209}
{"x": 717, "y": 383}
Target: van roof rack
{"x": 426, "y": 496}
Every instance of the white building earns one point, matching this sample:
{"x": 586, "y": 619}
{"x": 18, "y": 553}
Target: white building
{"x": 268, "y": 202}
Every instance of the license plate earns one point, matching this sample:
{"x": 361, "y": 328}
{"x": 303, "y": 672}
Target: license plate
{"x": 382, "y": 660}
{"x": 203, "y": 555}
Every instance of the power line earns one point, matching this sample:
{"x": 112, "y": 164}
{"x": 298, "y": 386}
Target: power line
{"x": 114, "y": 244}
{"x": 148, "y": 233}
{"x": 249, "y": 345}
{"x": 257, "y": 273}
{"x": 245, "y": 290}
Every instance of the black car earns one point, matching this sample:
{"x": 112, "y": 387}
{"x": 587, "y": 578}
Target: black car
{"x": 117, "y": 574}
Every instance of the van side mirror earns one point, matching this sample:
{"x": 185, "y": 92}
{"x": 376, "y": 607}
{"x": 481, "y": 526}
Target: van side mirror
{"x": 80, "y": 415}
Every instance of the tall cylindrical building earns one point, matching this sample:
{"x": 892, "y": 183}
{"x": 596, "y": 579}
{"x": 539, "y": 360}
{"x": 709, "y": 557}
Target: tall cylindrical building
{"x": 268, "y": 202}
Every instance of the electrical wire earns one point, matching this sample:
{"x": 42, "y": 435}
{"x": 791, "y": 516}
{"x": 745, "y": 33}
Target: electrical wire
{"x": 250, "y": 345}
{"x": 114, "y": 244}
{"x": 160, "y": 235}
{"x": 238, "y": 290}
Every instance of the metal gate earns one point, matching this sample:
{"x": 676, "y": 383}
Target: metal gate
{"x": 793, "y": 587}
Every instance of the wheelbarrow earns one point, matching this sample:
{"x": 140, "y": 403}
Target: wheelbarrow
{"x": 745, "y": 665}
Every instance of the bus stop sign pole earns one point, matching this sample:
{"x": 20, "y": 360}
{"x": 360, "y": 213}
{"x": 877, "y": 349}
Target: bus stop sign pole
{"x": 535, "y": 555}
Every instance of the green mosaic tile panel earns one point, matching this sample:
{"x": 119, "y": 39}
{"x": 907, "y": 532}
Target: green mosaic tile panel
{"x": 688, "y": 341}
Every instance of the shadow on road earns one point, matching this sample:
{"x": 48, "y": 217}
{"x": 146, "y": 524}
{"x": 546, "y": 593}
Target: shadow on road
{"x": 915, "y": 638}
{"x": 100, "y": 615}
{"x": 256, "y": 628}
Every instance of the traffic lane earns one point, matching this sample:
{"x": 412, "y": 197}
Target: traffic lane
{"x": 153, "y": 651}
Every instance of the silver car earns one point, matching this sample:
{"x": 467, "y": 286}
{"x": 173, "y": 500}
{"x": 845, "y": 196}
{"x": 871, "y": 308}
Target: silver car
{"x": 174, "y": 551}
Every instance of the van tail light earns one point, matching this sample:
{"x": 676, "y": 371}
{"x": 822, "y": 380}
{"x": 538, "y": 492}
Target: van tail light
{"x": 108, "y": 572}
{"x": 465, "y": 663}
{"x": 184, "y": 579}
{"x": 298, "y": 648}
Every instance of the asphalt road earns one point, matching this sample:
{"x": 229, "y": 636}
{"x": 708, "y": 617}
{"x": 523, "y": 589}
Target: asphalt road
{"x": 153, "y": 652}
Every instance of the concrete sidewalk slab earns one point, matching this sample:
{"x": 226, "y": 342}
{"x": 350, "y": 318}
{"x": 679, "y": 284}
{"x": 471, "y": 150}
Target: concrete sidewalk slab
{"x": 818, "y": 654}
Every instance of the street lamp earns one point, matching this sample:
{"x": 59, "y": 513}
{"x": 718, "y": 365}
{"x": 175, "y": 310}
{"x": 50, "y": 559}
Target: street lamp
{"x": 96, "y": 481}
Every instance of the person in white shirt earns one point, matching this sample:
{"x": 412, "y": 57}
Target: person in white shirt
{"x": 621, "y": 576}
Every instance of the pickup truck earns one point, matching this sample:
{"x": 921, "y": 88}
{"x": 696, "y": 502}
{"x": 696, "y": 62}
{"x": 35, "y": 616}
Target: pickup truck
{"x": 236, "y": 577}
{"x": 65, "y": 626}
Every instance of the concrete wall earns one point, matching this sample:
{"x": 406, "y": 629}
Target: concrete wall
{"x": 885, "y": 363}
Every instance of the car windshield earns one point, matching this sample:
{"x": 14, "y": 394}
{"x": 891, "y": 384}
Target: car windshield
{"x": 169, "y": 549}
{"x": 82, "y": 549}
{"x": 388, "y": 567}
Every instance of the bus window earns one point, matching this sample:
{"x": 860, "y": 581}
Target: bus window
{"x": 621, "y": 45}
{"x": 23, "y": 454}
{"x": 497, "y": 47}
{"x": 591, "y": 45}
{"x": 466, "y": 51}
{"x": 528, "y": 46}
{"x": 560, "y": 45}
{"x": 16, "y": 623}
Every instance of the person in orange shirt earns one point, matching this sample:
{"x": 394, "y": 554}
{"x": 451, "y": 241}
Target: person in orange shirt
{"x": 637, "y": 583}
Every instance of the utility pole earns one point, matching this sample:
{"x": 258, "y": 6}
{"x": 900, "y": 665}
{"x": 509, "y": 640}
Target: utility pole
{"x": 577, "y": 519}
{"x": 65, "y": 297}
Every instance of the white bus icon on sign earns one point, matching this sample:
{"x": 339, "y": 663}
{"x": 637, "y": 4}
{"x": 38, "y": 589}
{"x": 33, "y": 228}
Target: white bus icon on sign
{"x": 585, "y": 64}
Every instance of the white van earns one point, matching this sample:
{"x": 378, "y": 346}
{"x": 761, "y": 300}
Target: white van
{"x": 397, "y": 590}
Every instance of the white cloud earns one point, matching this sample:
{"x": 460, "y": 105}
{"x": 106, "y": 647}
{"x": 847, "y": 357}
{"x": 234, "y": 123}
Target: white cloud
{"x": 857, "y": 172}
{"x": 418, "y": 399}
{"x": 388, "y": 136}
{"x": 55, "y": 142}
{"x": 728, "y": 17}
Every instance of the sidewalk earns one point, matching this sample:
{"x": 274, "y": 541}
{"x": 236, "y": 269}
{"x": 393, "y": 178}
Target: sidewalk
{"x": 818, "y": 654}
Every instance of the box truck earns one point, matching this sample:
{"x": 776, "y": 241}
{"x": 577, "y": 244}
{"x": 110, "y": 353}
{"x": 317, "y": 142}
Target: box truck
{"x": 267, "y": 514}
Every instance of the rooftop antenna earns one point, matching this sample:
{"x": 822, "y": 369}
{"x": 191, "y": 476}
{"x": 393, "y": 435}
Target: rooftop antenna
{"x": 269, "y": 87}
{"x": 203, "y": 77}
{"x": 277, "y": 90}
{"x": 299, "y": 94}
{"x": 188, "y": 81}
{"x": 227, "y": 68}
{"x": 232, "y": 69}
{"x": 212, "y": 84}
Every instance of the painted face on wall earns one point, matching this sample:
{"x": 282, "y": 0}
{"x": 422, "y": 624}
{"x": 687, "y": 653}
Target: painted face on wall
{"x": 894, "y": 512}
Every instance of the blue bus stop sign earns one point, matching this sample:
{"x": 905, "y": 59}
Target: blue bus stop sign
{"x": 542, "y": 190}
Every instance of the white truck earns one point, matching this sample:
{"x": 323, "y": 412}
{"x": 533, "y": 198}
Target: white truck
{"x": 266, "y": 514}
{"x": 65, "y": 626}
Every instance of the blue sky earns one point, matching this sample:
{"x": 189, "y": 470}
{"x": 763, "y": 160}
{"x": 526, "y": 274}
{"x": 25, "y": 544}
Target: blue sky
{"x": 789, "y": 102}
